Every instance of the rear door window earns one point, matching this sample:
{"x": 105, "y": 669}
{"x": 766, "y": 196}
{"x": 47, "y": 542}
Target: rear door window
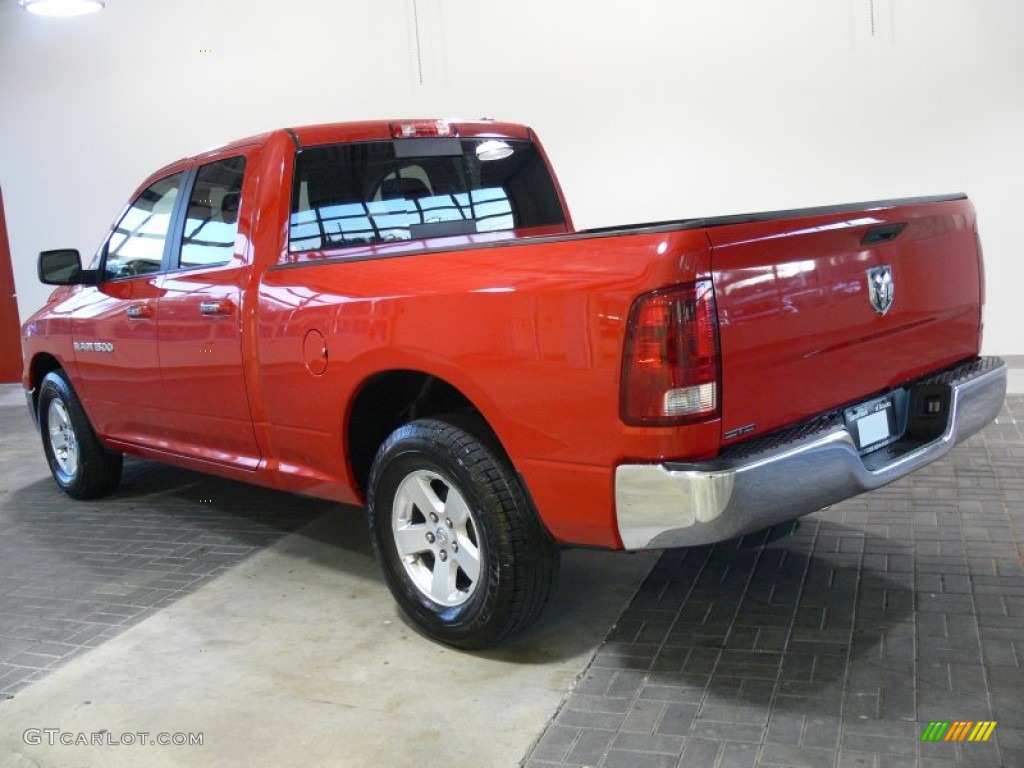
{"x": 366, "y": 193}
{"x": 211, "y": 219}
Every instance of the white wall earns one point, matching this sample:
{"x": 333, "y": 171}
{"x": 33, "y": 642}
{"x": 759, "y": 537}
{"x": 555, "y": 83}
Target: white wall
{"x": 650, "y": 109}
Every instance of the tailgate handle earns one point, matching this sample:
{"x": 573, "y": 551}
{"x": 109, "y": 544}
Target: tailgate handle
{"x": 882, "y": 234}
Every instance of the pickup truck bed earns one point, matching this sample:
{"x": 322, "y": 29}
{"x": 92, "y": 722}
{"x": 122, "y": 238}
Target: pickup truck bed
{"x": 401, "y": 315}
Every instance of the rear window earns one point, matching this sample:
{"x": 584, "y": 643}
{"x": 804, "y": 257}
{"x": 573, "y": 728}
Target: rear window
{"x": 360, "y": 194}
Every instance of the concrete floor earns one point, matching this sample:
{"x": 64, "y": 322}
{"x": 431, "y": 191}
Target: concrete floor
{"x": 191, "y": 605}
{"x": 287, "y": 654}
{"x": 297, "y": 657}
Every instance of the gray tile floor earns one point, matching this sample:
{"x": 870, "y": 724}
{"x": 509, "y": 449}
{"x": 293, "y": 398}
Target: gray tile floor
{"x": 829, "y": 643}
{"x": 74, "y": 574}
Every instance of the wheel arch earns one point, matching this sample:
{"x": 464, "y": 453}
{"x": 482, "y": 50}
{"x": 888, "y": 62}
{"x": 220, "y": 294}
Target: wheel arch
{"x": 42, "y": 364}
{"x": 387, "y": 400}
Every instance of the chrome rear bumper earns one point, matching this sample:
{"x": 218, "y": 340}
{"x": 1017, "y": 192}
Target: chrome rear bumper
{"x": 782, "y": 477}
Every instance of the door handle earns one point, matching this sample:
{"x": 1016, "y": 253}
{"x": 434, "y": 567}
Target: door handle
{"x": 139, "y": 311}
{"x": 215, "y": 308}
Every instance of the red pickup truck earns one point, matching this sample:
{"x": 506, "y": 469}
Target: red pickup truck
{"x": 400, "y": 314}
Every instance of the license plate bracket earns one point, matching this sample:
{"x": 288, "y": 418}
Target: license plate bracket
{"x": 873, "y": 424}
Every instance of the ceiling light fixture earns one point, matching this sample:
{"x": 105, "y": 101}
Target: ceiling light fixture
{"x": 62, "y": 8}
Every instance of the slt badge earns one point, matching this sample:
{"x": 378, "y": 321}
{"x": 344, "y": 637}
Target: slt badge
{"x": 881, "y": 288}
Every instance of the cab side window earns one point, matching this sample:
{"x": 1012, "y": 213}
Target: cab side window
{"x": 136, "y": 246}
{"x": 211, "y": 221}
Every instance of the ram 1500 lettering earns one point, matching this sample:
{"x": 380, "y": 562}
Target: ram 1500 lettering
{"x": 400, "y": 315}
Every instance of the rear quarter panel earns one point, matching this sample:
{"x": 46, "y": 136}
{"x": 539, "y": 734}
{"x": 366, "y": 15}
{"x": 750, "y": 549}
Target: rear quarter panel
{"x": 532, "y": 334}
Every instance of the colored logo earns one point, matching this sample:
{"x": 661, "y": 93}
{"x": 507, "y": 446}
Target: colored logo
{"x": 959, "y": 730}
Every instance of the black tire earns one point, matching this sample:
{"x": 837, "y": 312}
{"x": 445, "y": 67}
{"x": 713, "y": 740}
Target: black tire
{"x": 484, "y": 523}
{"x": 82, "y": 467}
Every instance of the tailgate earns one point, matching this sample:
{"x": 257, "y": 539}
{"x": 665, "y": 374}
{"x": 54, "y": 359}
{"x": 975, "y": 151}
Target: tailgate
{"x": 801, "y": 332}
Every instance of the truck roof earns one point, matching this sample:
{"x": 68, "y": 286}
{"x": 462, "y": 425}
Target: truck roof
{"x": 383, "y": 130}
{"x": 367, "y": 130}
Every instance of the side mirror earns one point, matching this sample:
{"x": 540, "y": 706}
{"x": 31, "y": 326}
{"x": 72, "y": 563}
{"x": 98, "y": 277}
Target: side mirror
{"x": 62, "y": 267}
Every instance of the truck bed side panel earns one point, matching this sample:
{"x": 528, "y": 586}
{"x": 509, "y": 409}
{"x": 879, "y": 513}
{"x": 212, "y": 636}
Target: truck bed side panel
{"x": 532, "y": 334}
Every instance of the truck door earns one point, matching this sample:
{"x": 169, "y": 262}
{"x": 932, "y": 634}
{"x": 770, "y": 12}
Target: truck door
{"x": 115, "y": 325}
{"x": 206, "y": 405}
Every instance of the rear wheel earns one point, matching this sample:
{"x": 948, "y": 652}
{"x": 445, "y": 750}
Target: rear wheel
{"x": 80, "y": 464}
{"x": 462, "y": 550}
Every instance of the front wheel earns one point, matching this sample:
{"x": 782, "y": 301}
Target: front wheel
{"x": 462, "y": 549}
{"x": 81, "y": 465}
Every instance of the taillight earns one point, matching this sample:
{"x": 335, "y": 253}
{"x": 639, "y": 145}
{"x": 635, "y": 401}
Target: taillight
{"x": 671, "y": 363}
{"x": 423, "y": 128}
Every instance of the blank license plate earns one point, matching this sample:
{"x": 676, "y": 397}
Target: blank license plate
{"x": 873, "y": 424}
